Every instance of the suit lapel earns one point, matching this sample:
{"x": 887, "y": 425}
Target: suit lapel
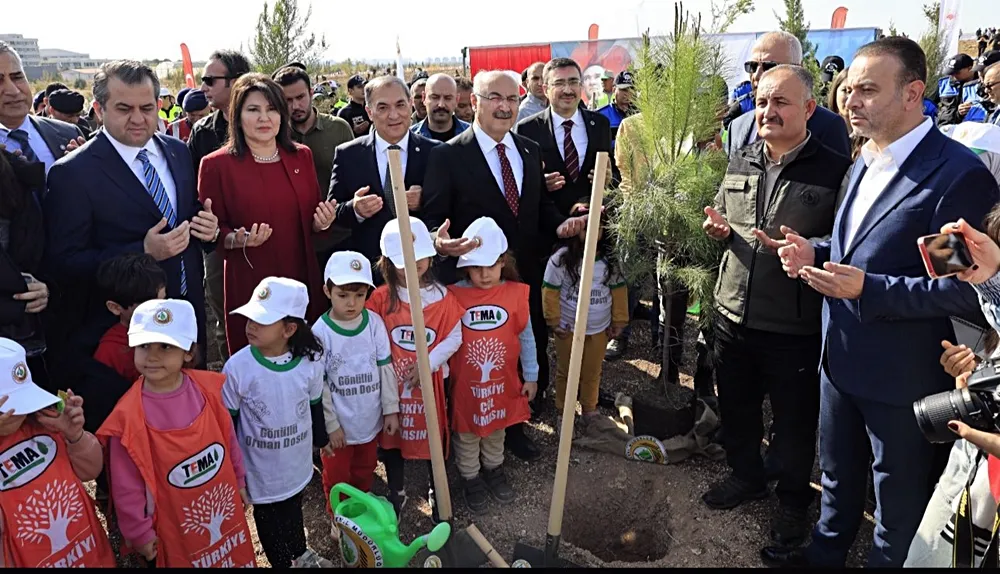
{"x": 921, "y": 163}
{"x": 372, "y": 161}
{"x": 528, "y": 173}
{"x": 857, "y": 172}
{"x": 481, "y": 173}
{"x": 50, "y": 138}
{"x": 122, "y": 177}
{"x": 590, "y": 158}
{"x": 307, "y": 200}
{"x": 550, "y": 142}
{"x": 414, "y": 155}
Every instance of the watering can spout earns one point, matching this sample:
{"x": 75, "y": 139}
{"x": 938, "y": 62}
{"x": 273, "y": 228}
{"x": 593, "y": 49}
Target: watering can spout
{"x": 434, "y": 540}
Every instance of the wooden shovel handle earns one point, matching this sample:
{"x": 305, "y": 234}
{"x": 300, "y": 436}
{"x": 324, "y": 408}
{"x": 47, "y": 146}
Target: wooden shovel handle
{"x": 576, "y": 354}
{"x": 441, "y": 492}
{"x": 487, "y": 548}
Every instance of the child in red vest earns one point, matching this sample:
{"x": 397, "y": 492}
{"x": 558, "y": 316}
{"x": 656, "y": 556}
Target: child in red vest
{"x": 442, "y": 319}
{"x": 124, "y": 282}
{"x": 47, "y": 520}
{"x": 487, "y": 395}
{"x": 177, "y": 475}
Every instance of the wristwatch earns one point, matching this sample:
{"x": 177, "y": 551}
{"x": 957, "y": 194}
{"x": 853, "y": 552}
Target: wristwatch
{"x": 215, "y": 238}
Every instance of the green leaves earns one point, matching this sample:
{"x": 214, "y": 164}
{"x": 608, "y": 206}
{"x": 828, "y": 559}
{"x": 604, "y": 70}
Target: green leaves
{"x": 281, "y": 37}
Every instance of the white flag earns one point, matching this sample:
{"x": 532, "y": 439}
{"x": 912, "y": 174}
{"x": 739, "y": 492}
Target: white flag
{"x": 948, "y": 24}
{"x": 400, "y": 73}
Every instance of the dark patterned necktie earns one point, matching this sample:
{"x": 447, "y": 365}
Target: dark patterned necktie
{"x": 21, "y": 137}
{"x": 387, "y": 183}
{"x": 509, "y": 183}
{"x": 570, "y": 155}
{"x": 159, "y": 194}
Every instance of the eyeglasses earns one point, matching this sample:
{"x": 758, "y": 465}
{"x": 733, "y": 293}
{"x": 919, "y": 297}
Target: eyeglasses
{"x": 560, "y": 84}
{"x": 751, "y": 66}
{"x": 210, "y": 80}
{"x": 496, "y": 99}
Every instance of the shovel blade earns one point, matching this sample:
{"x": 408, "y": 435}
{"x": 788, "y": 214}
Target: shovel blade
{"x": 542, "y": 558}
{"x": 461, "y": 551}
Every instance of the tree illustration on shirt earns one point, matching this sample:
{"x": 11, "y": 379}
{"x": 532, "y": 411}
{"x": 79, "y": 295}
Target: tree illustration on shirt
{"x": 487, "y": 354}
{"x": 210, "y": 511}
{"x": 402, "y": 367}
{"x": 48, "y": 513}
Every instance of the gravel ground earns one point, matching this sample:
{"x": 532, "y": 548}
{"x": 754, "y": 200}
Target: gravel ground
{"x": 618, "y": 513}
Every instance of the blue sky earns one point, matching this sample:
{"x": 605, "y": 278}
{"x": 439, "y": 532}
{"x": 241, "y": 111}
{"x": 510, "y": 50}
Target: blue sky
{"x": 368, "y": 28}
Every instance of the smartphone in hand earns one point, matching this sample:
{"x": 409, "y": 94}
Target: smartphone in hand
{"x": 944, "y": 254}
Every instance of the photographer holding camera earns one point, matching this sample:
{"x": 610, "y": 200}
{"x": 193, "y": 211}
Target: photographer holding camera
{"x": 957, "y": 528}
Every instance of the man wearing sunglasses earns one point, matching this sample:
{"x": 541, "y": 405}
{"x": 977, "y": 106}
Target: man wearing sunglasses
{"x": 771, "y": 50}
{"x": 208, "y": 135}
{"x": 988, "y": 108}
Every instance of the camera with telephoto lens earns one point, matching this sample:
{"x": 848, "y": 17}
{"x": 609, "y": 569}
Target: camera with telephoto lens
{"x": 977, "y": 405}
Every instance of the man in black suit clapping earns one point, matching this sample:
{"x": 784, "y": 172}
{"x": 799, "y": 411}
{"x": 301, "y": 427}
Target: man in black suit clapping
{"x": 360, "y": 181}
{"x": 569, "y": 137}
{"x": 487, "y": 171}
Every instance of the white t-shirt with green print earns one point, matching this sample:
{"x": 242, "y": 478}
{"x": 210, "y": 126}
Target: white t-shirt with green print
{"x": 356, "y": 357}
{"x": 272, "y": 398}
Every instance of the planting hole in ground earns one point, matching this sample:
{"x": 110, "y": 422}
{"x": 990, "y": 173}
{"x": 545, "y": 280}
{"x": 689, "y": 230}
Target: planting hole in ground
{"x": 618, "y": 516}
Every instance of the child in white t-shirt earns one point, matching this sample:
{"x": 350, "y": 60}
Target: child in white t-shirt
{"x": 607, "y": 316}
{"x": 273, "y": 390}
{"x": 360, "y": 398}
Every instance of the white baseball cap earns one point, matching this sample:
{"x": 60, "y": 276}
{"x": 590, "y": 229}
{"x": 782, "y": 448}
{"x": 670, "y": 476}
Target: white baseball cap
{"x": 167, "y": 321}
{"x": 274, "y": 299}
{"x": 346, "y": 267}
{"x": 23, "y": 395}
{"x": 392, "y": 246}
{"x": 164, "y": 92}
{"x": 492, "y": 243}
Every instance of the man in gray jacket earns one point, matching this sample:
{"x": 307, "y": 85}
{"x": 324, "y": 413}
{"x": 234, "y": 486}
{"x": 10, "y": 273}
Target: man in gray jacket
{"x": 767, "y": 330}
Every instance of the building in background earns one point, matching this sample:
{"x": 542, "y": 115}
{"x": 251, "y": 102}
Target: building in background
{"x": 66, "y": 60}
{"x": 26, "y": 47}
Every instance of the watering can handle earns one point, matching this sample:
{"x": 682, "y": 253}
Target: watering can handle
{"x": 362, "y": 497}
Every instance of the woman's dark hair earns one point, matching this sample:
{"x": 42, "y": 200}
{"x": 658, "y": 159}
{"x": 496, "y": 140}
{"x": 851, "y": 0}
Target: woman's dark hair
{"x": 388, "y": 271}
{"x": 130, "y": 279}
{"x": 992, "y": 226}
{"x": 509, "y": 272}
{"x": 246, "y": 85}
{"x": 573, "y": 256}
{"x": 303, "y": 343}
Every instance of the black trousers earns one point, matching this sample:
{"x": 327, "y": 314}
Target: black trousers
{"x": 394, "y": 470}
{"x": 540, "y": 330}
{"x": 751, "y": 363}
{"x": 281, "y": 530}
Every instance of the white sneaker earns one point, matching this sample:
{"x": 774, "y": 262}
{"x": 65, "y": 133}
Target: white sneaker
{"x": 310, "y": 559}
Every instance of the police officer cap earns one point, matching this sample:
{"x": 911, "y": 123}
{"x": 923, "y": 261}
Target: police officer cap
{"x": 195, "y": 101}
{"x": 180, "y": 96}
{"x": 67, "y": 101}
{"x": 624, "y": 80}
{"x": 987, "y": 60}
{"x": 958, "y": 63}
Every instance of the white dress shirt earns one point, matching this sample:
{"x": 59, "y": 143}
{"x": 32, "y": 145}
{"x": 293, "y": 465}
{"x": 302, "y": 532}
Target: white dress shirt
{"x": 489, "y": 147}
{"x": 578, "y": 133}
{"x": 35, "y": 140}
{"x": 883, "y": 165}
{"x": 382, "y": 153}
{"x": 130, "y": 155}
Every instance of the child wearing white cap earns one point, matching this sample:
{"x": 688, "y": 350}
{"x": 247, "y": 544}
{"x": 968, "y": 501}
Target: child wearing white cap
{"x": 442, "y": 320}
{"x": 607, "y": 315}
{"x": 487, "y": 394}
{"x": 360, "y": 398}
{"x": 274, "y": 390}
{"x": 177, "y": 474}
{"x": 47, "y": 519}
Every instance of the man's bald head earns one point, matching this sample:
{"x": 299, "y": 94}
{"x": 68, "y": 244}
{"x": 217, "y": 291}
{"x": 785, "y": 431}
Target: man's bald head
{"x": 772, "y": 49}
{"x": 440, "y": 99}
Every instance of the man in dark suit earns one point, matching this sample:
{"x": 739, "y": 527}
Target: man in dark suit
{"x": 883, "y": 318}
{"x": 772, "y": 49}
{"x": 360, "y": 181}
{"x": 487, "y": 171}
{"x": 568, "y": 136}
{"x": 128, "y": 190}
{"x": 37, "y": 138}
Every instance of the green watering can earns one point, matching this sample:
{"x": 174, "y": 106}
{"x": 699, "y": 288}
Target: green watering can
{"x": 369, "y": 535}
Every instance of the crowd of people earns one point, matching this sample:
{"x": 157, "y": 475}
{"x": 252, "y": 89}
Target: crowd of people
{"x": 120, "y": 231}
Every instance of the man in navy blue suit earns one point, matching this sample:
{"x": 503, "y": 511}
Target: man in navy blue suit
{"x": 360, "y": 177}
{"x": 883, "y": 318}
{"x": 770, "y": 51}
{"x": 128, "y": 190}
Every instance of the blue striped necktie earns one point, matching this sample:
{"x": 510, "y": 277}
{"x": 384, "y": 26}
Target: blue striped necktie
{"x": 159, "y": 194}
{"x": 21, "y": 137}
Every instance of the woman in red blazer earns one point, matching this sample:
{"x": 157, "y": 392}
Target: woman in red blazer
{"x": 263, "y": 188}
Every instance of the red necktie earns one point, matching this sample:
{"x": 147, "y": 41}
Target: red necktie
{"x": 570, "y": 155}
{"x": 509, "y": 183}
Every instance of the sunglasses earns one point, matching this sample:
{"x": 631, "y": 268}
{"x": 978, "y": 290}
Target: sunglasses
{"x": 751, "y": 66}
{"x": 210, "y": 80}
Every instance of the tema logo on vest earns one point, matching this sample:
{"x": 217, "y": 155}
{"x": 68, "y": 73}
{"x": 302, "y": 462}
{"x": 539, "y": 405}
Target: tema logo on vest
{"x": 199, "y": 468}
{"x": 647, "y": 449}
{"x": 403, "y": 337}
{"x": 26, "y": 461}
{"x": 485, "y": 317}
